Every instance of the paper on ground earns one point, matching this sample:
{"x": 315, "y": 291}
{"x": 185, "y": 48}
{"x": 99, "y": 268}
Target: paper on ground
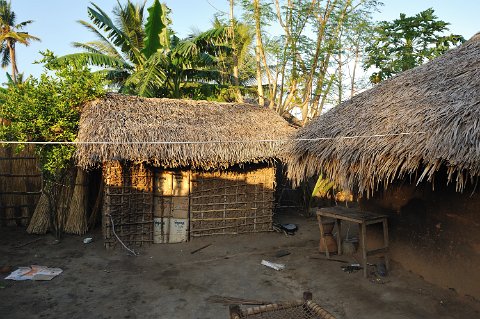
{"x": 273, "y": 265}
{"x": 34, "y": 272}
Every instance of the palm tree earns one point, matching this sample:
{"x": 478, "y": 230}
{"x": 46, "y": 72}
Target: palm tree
{"x": 147, "y": 59}
{"x": 193, "y": 60}
{"x": 242, "y": 35}
{"x": 119, "y": 43}
{"x": 10, "y": 34}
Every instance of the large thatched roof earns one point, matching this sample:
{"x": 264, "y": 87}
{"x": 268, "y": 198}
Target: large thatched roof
{"x": 439, "y": 103}
{"x": 131, "y": 128}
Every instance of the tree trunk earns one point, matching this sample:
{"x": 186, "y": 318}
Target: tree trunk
{"x": 340, "y": 70}
{"x": 236, "y": 83}
{"x": 357, "y": 58}
{"x": 261, "y": 98}
{"x": 13, "y": 60}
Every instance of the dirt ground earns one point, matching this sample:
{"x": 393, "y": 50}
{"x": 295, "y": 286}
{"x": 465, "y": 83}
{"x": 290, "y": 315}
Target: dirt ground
{"x": 167, "y": 281}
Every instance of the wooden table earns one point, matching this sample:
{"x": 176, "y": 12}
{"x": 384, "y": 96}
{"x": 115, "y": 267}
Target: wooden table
{"x": 363, "y": 219}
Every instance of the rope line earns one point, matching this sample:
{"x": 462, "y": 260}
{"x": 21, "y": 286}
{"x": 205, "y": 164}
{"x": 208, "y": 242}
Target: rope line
{"x": 216, "y": 141}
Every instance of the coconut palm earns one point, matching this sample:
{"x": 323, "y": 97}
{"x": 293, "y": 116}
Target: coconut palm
{"x": 119, "y": 41}
{"x": 10, "y": 34}
{"x": 243, "y": 37}
{"x": 125, "y": 43}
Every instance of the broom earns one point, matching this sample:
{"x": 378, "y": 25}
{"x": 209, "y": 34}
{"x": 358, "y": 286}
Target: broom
{"x": 41, "y": 217}
{"x": 77, "y": 214}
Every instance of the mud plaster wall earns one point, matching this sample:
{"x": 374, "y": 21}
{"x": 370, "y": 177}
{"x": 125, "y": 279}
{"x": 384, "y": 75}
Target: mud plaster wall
{"x": 434, "y": 233}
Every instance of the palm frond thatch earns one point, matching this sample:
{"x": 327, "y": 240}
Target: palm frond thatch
{"x": 439, "y": 102}
{"x": 131, "y": 126}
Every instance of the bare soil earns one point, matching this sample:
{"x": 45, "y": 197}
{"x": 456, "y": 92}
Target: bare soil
{"x": 167, "y": 281}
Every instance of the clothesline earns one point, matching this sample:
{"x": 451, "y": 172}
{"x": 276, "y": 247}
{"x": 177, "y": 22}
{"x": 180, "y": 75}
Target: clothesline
{"x": 214, "y": 141}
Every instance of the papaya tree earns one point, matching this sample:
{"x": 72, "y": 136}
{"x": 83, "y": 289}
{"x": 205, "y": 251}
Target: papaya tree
{"x": 407, "y": 42}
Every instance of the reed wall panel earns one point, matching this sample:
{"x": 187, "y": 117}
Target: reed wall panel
{"x": 219, "y": 202}
{"x": 232, "y": 202}
{"x": 20, "y": 185}
{"x": 128, "y": 202}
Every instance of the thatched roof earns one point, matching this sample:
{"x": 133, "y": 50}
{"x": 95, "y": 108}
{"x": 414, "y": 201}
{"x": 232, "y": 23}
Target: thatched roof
{"x": 119, "y": 127}
{"x": 438, "y": 102}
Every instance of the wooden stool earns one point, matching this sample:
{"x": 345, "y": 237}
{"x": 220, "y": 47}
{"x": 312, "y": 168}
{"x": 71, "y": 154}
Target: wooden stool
{"x": 363, "y": 219}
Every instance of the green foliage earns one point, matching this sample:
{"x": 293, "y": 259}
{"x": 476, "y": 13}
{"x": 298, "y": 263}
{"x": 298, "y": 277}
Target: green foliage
{"x": 197, "y": 91}
{"x": 146, "y": 81}
{"x": 156, "y": 29}
{"x": 168, "y": 70}
{"x": 309, "y": 61}
{"x": 221, "y": 37}
{"x": 96, "y": 59}
{"x": 48, "y": 110}
{"x": 148, "y": 60}
{"x": 118, "y": 45}
{"x": 406, "y": 43}
{"x": 117, "y": 35}
{"x": 266, "y": 8}
{"x": 322, "y": 186}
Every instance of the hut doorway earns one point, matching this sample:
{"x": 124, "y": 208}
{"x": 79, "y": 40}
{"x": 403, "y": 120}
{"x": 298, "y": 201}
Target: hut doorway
{"x": 171, "y": 190}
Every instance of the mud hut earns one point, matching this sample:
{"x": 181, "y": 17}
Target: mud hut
{"x": 411, "y": 144}
{"x": 178, "y": 169}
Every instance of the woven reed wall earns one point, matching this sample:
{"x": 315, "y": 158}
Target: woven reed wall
{"x": 128, "y": 199}
{"x": 20, "y": 185}
{"x": 232, "y": 202}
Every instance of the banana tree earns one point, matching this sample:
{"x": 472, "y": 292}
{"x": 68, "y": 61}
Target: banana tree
{"x": 147, "y": 59}
{"x": 124, "y": 44}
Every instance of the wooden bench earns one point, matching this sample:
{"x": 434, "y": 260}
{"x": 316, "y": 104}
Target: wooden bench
{"x": 363, "y": 219}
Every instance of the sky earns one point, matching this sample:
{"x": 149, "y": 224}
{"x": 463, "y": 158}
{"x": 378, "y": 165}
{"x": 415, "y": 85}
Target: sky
{"x": 55, "y": 21}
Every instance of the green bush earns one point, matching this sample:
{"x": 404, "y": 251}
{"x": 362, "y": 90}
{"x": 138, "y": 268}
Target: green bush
{"x": 48, "y": 110}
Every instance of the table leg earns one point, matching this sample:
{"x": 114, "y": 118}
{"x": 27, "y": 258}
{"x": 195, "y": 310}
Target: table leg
{"x": 322, "y": 236}
{"x": 339, "y": 236}
{"x": 363, "y": 235}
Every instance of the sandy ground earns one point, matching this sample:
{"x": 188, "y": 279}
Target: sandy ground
{"x": 167, "y": 281}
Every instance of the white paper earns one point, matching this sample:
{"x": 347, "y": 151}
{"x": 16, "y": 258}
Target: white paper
{"x": 34, "y": 272}
{"x": 273, "y": 265}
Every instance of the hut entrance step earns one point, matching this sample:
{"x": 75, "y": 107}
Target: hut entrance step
{"x": 363, "y": 219}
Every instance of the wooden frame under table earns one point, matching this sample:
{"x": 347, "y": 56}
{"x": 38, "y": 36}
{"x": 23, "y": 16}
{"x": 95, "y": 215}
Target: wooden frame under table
{"x": 363, "y": 219}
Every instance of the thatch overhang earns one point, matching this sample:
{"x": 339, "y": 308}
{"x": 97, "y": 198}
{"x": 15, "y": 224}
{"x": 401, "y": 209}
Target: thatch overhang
{"x": 174, "y": 133}
{"x": 436, "y": 104}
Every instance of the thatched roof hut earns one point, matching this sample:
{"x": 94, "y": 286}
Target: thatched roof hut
{"x": 413, "y": 124}
{"x": 179, "y": 169}
{"x": 176, "y": 133}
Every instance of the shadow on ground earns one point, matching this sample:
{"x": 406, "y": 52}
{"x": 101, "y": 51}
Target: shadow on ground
{"x": 167, "y": 281}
